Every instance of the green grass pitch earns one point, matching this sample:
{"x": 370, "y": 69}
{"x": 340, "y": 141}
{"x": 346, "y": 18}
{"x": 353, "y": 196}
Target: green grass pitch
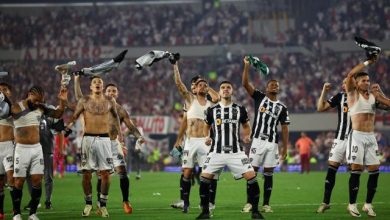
{"x": 294, "y": 196}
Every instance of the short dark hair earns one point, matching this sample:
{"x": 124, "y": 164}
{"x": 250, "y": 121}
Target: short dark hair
{"x": 6, "y": 85}
{"x": 95, "y": 77}
{"x": 200, "y": 80}
{"x": 226, "y": 82}
{"x": 110, "y": 84}
{"x": 37, "y": 90}
{"x": 272, "y": 80}
{"x": 359, "y": 74}
{"x": 195, "y": 78}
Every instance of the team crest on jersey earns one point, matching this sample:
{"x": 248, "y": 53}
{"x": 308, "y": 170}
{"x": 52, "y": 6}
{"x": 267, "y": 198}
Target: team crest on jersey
{"x": 253, "y": 150}
{"x": 353, "y": 157}
{"x": 345, "y": 109}
{"x": 262, "y": 109}
{"x": 218, "y": 121}
{"x": 277, "y": 108}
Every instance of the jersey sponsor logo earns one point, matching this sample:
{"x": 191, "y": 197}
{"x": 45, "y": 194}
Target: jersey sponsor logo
{"x": 229, "y": 121}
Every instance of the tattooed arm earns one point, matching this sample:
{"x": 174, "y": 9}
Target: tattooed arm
{"x": 180, "y": 85}
{"x": 77, "y": 112}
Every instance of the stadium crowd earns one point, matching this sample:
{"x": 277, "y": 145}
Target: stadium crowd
{"x": 171, "y": 25}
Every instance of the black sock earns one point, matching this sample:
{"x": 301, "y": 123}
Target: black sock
{"x": 372, "y": 183}
{"x": 204, "y": 193}
{"x": 2, "y": 202}
{"x": 99, "y": 187}
{"x": 354, "y": 182}
{"x": 213, "y": 190}
{"x": 103, "y": 200}
{"x": 36, "y": 193}
{"x": 247, "y": 195}
{"x": 88, "y": 200}
{"x": 17, "y": 199}
{"x": 253, "y": 192}
{"x": 268, "y": 183}
{"x": 186, "y": 191}
{"x": 124, "y": 184}
{"x": 181, "y": 187}
{"x": 330, "y": 180}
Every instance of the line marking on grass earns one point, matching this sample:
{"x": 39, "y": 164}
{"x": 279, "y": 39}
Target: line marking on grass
{"x": 196, "y": 207}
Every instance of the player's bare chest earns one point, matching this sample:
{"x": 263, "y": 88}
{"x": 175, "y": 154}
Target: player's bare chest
{"x": 97, "y": 107}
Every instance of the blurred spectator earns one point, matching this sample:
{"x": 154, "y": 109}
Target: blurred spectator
{"x": 304, "y": 145}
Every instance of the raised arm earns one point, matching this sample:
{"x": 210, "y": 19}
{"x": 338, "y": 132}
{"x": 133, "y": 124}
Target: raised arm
{"x": 76, "y": 114}
{"x": 350, "y": 82}
{"x": 214, "y": 95}
{"x": 379, "y": 96}
{"x": 59, "y": 111}
{"x": 77, "y": 88}
{"x": 180, "y": 85}
{"x": 245, "y": 78}
{"x": 322, "y": 104}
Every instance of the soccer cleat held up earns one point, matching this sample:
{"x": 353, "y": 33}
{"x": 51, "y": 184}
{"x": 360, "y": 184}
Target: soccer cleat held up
{"x": 371, "y": 48}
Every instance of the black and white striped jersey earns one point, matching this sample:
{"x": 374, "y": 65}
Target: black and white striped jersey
{"x": 344, "y": 125}
{"x": 225, "y": 124}
{"x": 268, "y": 114}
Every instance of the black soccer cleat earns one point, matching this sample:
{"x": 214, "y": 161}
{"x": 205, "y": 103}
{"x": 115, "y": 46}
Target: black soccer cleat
{"x": 204, "y": 215}
{"x": 257, "y": 215}
{"x": 372, "y": 50}
{"x": 185, "y": 208}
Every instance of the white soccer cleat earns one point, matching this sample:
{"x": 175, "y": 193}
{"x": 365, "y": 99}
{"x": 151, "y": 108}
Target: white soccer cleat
{"x": 104, "y": 212}
{"x": 247, "y": 208}
{"x": 266, "y": 209}
{"x": 323, "y": 207}
{"x": 87, "y": 210}
{"x": 369, "y": 209}
{"x": 178, "y": 205}
{"x": 17, "y": 217}
{"x": 33, "y": 217}
{"x": 211, "y": 206}
{"x": 353, "y": 210}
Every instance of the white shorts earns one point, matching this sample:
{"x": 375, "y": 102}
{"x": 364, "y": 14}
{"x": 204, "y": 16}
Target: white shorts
{"x": 28, "y": 159}
{"x": 238, "y": 164}
{"x": 117, "y": 153}
{"x": 6, "y": 156}
{"x": 337, "y": 153}
{"x": 195, "y": 149}
{"x": 362, "y": 148}
{"x": 264, "y": 153}
{"x": 96, "y": 153}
